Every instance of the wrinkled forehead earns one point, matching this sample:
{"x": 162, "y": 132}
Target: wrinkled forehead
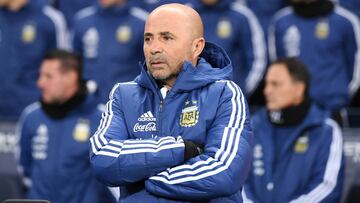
{"x": 167, "y": 20}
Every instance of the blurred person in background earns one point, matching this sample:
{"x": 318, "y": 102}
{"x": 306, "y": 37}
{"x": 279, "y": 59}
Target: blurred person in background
{"x": 31, "y": 29}
{"x": 352, "y": 5}
{"x": 264, "y": 10}
{"x": 54, "y": 135}
{"x": 150, "y": 5}
{"x": 236, "y": 29}
{"x": 70, "y": 7}
{"x": 326, "y": 37}
{"x": 298, "y": 153}
{"x": 108, "y": 36}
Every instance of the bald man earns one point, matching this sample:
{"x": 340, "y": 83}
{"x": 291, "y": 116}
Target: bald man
{"x": 180, "y": 131}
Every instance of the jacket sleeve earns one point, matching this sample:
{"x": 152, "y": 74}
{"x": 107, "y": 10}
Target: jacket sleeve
{"x": 24, "y": 155}
{"x": 249, "y": 193}
{"x": 118, "y": 160}
{"x": 222, "y": 168}
{"x": 326, "y": 182}
{"x": 352, "y": 49}
{"x": 275, "y": 43}
{"x": 59, "y": 35}
{"x": 253, "y": 40}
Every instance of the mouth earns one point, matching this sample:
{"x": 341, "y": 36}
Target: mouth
{"x": 157, "y": 63}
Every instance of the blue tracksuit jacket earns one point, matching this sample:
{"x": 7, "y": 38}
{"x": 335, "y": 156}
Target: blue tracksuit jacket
{"x": 235, "y": 28}
{"x": 328, "y": 45}
{"x": 303, "y": 163}
{"x": 141, "y": 135}
{"x": 70, "y": 7}
{"x": 352, "y": 5}
{"x": 54, "y": 155}
{"x": 150, "y": 5}
{"x": 264, "y": 10}
{"x": 110, "y": 41}
{"x": 30, "y": 33}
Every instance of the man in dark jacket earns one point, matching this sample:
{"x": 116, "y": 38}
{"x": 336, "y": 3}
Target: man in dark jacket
{"x": 326, "y": 37}
{"x": 54, "y": 135}
{"x": 108, "y": 36}
{"x": 180, "y": 131}
{"x": 31, "y": 29}
{"x": 297, "y": 149}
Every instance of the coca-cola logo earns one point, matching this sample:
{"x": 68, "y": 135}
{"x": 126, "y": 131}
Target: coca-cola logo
{"x": 150, "y": 127}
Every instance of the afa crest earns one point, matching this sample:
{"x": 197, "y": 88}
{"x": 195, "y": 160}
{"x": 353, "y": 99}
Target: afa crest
{"x": 190, "y": 114}
{"x": 302, "y": 144}
{"x": 82, "y": 130}
{"x": 28, "y": 34}
{"x": 224, "y": 29}
{"x": 322, "y": 29}
{"x": 123, "y": 34}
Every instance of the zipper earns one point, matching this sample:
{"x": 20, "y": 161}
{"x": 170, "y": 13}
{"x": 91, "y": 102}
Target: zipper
{"x": 159, "y": 117}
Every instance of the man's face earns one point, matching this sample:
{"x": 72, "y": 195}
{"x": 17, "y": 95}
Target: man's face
{"x": 53, "y": 82}
{"x": 109, "y": 3}
{"x": 15, "y": 5}
{"x": 4, "y": 2}
{"x": 281, "y": 90}
{"x": 167, "y": 44}
{"x": 209, "y": 2}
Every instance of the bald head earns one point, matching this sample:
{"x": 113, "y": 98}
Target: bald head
{"x": 181, "y": 14}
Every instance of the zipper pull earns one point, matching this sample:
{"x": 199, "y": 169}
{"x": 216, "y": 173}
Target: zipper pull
{"x": 161, "y": 105}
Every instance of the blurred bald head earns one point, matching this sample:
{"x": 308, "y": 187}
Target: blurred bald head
{"x": 173, "y": 34}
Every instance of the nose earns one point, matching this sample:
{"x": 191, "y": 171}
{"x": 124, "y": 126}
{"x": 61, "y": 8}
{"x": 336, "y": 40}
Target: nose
{"x": 266, "y": 90}
{"x": 40, "y": 82}
{"x": 155, "y": 47}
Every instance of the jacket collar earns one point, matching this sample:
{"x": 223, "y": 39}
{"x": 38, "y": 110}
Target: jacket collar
{"x": 213, "y": 65}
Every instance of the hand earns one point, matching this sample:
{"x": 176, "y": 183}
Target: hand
{"x": 192, "y": 149}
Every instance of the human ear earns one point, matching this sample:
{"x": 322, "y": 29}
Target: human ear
{"x": 198, "y": 46}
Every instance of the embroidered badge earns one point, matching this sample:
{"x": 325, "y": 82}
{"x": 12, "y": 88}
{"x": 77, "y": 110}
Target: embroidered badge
{"x": 224, "y": 29}
{"x": 123, "y": 34}
{"x": 190, "y": 114}
{"x": 28, "y": 33}
{"x": 302, "y": 144}
{"x": 82, "y": 130}
{"x": 322, "y": 29}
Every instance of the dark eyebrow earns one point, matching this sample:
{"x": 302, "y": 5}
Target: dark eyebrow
{"x": 147, "y": 34}
{"x": 166, "y": 34}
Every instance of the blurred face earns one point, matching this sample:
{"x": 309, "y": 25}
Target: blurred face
{"x": 109, "y": 3}
{"x": 209, "y": 2}
{"x": 4, "y": 2}
{"x": 53, "y": 83}
{"x": 15, "y": 5}
{"x": 167, "y": 44}
{"x": 281, "y": 90}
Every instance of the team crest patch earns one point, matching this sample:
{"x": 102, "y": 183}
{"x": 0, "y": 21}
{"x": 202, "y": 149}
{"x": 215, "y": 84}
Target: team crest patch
{"x": 82, "y": 130}
{"x": 190, "y": 114}
{"x": 302, "y": 144}
{"x": 28, "y": 33}
{"x": 123, "y": 34}
{"x": 224, "y": 29}
{"x": 322, "y": 29}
